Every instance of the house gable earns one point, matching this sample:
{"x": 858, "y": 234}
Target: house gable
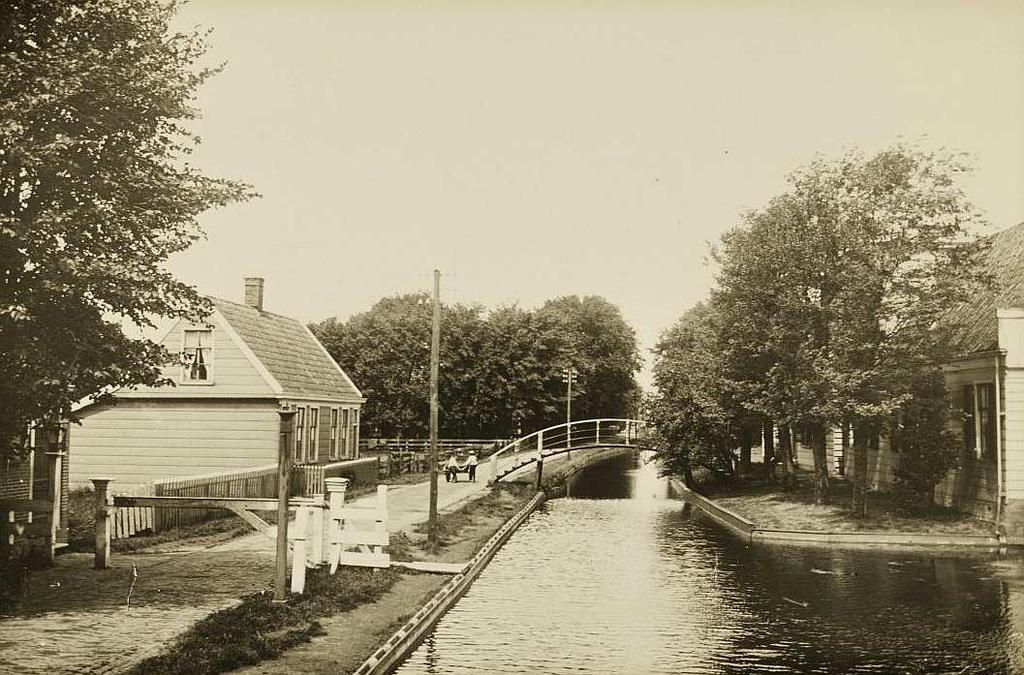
{"x": 290, "y": 354}
{"x": 234, "y": 370}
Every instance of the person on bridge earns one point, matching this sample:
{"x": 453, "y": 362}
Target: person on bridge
{"x": 451, "y": 469}
{"x": 471, "y": 462}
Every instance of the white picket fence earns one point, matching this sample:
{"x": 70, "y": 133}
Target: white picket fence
{"x": 131, "y": 520}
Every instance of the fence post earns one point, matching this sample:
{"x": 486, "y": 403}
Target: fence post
{"x": 317, "y": 552}
{"x": 597, "y": 432}
{"x": 299, "y": 549}
{"x": 336, "y": 488}
{"x": 102, "y": 487}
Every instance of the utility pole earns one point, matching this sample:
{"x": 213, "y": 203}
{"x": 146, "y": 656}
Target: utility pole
{"x": 287, "y": 414}
{"x": 568, "y": 376}
{"x": 435, "y": 359}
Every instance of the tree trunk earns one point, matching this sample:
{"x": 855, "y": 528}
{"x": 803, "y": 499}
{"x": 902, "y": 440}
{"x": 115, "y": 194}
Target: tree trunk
{"x": 745, "y": 444}
{"x": 845, "y": 463}
{"x": 861, "y": 435}
{"x": 821, "y": 487}
{"x": 786, "y": 457}
{"x": 768, "y": 442}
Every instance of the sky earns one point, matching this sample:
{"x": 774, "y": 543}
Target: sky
{"x": 532, "y": 150}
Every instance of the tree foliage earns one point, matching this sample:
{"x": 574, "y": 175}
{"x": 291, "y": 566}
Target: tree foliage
{"x": 928, "y": 447}
{"x": 95, "y": 194}
{"x": 828, "y": 298}
{"x": 694, "y": 418}
{"x": 500, "y": 372}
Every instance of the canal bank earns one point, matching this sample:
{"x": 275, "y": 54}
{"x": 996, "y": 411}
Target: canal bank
{"x": 749, "y": 531}
{"x": 620, "y": 578}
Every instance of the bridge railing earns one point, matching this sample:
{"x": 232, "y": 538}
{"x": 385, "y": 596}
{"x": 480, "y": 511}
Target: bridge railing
{"x": 564, "y": 437}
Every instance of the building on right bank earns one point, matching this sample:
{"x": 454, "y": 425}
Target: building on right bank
{"x": 986, "y": 383}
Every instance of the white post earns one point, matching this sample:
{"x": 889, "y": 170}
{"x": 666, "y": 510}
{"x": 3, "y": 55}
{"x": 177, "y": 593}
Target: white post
{"x": 597, "y": 432}
{"x": 336, "y": 488}
{"x": 299, "y": 550}
{"x": 382, "y": 504}
{"x": 318, "y": 544}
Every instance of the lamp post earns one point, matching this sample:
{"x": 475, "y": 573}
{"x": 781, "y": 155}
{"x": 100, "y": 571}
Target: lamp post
{"x": 569, "y": 377}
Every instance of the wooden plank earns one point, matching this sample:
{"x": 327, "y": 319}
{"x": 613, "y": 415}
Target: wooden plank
{"x": 362, "y": 513}
{"x": 434, "y": 567}
{"x": 364, "y": 559}
{"x": 253, "y": 504}
{"x": 260, "y": 525}
{"x": 350, "y": 537}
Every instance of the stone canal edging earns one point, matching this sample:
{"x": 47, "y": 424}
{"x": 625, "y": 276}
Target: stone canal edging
{"x": 748, "y": 530}
{"x": 406, "y": 638}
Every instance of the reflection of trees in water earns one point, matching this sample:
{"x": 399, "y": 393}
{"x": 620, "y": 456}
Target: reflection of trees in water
{"x": 888, "y": 611}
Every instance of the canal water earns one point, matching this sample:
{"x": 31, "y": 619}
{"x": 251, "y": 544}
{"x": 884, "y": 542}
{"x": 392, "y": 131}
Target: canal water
{"x": 621, "y": 579}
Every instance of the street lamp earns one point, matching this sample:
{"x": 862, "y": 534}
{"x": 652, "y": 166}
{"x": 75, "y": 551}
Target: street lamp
{"x": 569, "y": 377}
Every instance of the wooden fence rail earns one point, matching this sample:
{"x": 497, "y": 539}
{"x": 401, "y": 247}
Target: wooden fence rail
{"x": 258, "y": 481}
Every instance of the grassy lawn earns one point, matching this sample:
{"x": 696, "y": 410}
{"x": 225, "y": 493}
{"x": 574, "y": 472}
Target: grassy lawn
{"x": 770, "y": 508}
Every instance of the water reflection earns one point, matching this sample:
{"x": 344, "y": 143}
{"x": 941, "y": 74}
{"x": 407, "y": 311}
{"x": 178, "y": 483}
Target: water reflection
{"x": 619, "y": 579}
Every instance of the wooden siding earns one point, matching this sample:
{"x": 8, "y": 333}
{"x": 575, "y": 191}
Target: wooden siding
{"x": 137, "y": 442}
{"x": 1013, "y": 431}
{"x": 233, "y": 373}
{"x": 804, "y": 455}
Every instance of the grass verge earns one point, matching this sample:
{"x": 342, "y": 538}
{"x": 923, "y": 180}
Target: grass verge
{"x": 260, "y": 629}
{"x": 771, "y": 508}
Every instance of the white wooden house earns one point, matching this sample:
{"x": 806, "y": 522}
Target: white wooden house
{"x": 986, "y": 384}
{"x": 232, "y": 375}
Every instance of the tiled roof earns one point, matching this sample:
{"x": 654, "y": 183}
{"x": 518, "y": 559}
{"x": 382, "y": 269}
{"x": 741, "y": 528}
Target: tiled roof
{"x": 289, "y": 352}
{"x": 974, "y": 327}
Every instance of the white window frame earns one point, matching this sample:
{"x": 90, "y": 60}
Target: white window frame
{"x": 298, "y": 447}
{"x": 335, "y": 418}
{"x": 207, "y": 354}
{"x": 313, "y": 415}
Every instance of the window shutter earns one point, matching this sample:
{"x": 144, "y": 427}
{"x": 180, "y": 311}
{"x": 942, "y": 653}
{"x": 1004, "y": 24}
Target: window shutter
{"x": 325, "y": 431}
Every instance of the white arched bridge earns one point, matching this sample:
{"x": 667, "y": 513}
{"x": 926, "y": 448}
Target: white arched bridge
{"x": 564, "y": 439}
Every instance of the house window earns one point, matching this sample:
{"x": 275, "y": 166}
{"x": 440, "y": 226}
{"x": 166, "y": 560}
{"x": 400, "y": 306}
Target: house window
{"x": 314, "y": 418}
{"x": 353, "y": 441}
{"x": 979, "y": 407}
{"x": 344, "y": 432}
{"x": 334, "y": 433}
{"x": 197, "y": 356}
{"x": 300, "y": 428}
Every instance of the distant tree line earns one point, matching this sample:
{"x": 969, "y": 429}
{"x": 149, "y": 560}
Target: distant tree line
{"x": 826, "y": 314}
{"x": 501, "y": 370}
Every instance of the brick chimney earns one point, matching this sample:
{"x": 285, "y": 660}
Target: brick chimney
{"x": 254, "y": 292}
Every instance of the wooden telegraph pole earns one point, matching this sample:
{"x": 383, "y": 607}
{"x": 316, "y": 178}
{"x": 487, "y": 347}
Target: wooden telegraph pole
{"x": 435, "y": 359}
{"x": 283, "y": 470}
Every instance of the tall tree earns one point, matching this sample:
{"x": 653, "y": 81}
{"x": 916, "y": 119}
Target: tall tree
{"x": 697, "y": 424}
{"x": 602, "y": 347}
{"x": 842, "y": 281}
{"x": 95, "y": 195}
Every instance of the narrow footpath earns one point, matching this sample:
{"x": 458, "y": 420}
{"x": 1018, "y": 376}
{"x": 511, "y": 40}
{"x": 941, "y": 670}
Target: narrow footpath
{"x": 75, "y": 619}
